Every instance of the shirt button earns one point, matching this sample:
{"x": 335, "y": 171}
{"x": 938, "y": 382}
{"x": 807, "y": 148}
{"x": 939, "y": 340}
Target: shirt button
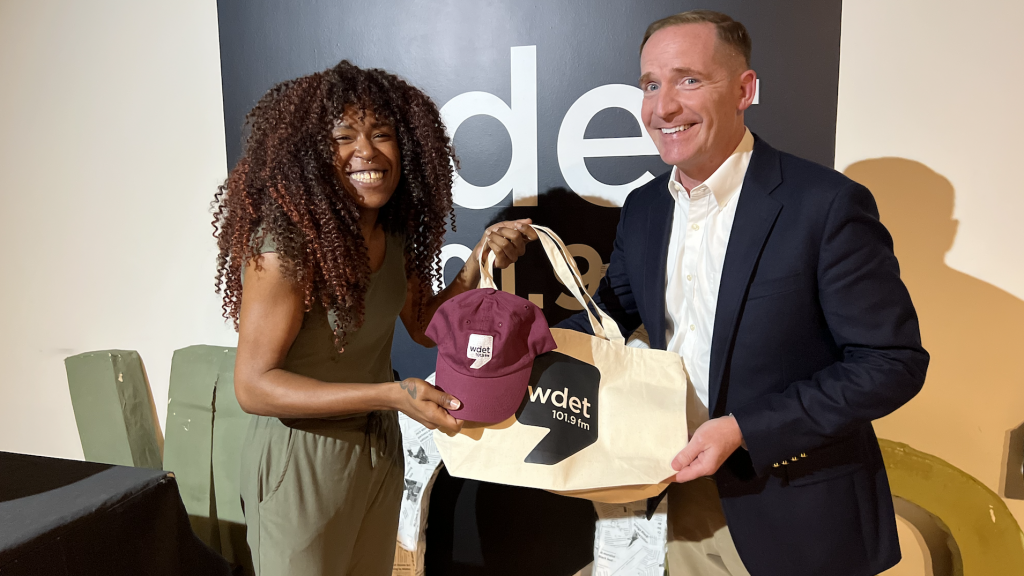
{"x": 689, "y": 277}
{"x": 695, "y": 227}
{"x": 692, "y": 327}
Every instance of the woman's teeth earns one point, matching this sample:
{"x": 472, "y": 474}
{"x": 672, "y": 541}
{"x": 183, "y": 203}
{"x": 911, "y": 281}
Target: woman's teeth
{"x": 367, "y": 176}
{"x": 675, "y": 129}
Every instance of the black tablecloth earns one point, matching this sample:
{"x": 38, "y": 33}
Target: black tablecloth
{"x": 65, "y": 517}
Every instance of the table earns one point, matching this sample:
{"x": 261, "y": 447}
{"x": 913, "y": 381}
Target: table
{"x": 66, "y": 517}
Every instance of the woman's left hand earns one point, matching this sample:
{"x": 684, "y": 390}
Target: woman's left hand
{"x": 507, "y": 240}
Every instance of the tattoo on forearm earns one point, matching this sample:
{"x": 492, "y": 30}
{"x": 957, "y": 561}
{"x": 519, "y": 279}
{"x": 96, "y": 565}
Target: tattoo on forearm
{"x": 409, "y": 387}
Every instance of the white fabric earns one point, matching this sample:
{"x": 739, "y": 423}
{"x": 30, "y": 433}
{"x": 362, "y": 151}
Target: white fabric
{"x": 701, "y": 226}
{"x": 626, "y": 543}
{"x": 422, "y": 465}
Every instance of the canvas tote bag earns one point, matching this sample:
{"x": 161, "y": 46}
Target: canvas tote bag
{"x": 600, "y": 420}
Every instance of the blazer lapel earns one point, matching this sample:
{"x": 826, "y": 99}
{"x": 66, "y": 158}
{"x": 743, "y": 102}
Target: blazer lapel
{"x": 659, "y": 227}
{"x": 756, "y": 214}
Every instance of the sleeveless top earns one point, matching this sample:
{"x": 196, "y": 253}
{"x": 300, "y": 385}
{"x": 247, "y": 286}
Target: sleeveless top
{"x": 367, "y": 354}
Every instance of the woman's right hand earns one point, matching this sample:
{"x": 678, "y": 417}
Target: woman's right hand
{"x": 427, "y": 405}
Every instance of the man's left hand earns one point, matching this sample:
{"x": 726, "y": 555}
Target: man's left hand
{"x": 712, "y": 442}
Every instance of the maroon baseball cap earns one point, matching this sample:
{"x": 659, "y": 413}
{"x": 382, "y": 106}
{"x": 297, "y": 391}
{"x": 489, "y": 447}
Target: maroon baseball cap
{"x": 486, "y": 341}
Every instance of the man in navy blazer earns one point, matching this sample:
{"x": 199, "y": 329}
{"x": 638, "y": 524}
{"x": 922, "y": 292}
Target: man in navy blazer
{"x": 809, "y": 334}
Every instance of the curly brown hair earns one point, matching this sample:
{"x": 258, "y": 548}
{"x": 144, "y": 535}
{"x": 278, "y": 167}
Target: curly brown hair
{"x": 286, "y": 187}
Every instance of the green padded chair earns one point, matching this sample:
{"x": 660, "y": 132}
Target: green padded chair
{"x": 205, "y": 429}
{"x": 114, "y": 408}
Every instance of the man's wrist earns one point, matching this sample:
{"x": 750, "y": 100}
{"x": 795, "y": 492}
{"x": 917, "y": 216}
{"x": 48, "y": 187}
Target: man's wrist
{"x": 743, "y": 442}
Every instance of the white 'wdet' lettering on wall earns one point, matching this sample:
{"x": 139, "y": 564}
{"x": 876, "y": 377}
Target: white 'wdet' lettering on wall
{"x": 574, "y": 149}
{"x": 521, "y": 122}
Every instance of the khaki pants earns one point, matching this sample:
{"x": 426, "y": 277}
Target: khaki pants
{"x": 699, "y": 543}
{"x": 322, "y": 497}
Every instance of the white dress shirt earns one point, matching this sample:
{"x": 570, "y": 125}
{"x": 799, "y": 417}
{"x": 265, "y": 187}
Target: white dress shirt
{"x": 701, "y": 226}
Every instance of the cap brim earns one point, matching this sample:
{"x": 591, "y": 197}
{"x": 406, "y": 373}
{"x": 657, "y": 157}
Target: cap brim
{"x": 487, "y": 400}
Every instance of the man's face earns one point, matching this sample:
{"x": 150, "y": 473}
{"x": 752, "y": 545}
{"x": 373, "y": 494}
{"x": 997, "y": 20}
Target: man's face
{"x": 695, "y": 90}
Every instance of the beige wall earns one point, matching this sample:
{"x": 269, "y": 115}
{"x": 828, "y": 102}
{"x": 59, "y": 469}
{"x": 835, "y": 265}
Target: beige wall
{"x": 112, "y": 144}
{"x": 928, "y": 119}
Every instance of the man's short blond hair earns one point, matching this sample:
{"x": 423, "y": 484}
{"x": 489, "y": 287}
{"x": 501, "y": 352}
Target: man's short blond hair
{"x": 730, "y": 32}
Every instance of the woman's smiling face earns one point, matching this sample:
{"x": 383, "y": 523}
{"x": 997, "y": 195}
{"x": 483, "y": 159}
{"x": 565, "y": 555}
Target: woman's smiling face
{"x": 366, "y": 157}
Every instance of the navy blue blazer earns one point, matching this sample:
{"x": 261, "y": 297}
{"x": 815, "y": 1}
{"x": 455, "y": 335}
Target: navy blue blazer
{"x": 815, "y": 336}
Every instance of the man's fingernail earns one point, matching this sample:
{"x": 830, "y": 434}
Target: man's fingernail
{"x": 455, "y": 403}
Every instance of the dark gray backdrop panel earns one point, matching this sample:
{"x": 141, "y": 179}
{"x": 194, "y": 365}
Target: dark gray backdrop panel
{"x": 449, "y": 47}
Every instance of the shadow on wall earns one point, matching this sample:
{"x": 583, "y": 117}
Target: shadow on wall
{"x": 562, "y": 210}
{"x": 973, "y": 398}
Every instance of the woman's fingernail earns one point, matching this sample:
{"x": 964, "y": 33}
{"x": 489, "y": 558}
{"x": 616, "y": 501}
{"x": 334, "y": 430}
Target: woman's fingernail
{"x": 456, "y": 404}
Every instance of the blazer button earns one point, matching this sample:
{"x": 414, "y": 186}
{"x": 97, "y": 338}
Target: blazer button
{"x": 785, "y": 463}
{"x": 802, "y": 455}
{"x": 794, "y": 459}
{"x": 776, "y": 465}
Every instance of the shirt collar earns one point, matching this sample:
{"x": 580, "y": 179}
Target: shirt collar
{"x": 725, "y": 182}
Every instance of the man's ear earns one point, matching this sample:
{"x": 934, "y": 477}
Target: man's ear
{"x": 748, "y": 89}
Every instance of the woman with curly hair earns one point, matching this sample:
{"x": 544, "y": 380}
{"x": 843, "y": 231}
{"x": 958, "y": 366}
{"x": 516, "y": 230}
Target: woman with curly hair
{"x": 334, "y": 219}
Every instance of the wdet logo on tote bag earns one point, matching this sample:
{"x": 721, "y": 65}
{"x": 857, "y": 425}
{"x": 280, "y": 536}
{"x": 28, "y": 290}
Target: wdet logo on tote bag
{"x": 562, "y": 397}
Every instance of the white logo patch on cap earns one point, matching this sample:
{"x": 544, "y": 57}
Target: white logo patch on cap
{"x": 480, "y": 349}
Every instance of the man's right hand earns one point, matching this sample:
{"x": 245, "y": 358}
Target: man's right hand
{"x": 427, "y": 405}
{"x": 711, "y": 444}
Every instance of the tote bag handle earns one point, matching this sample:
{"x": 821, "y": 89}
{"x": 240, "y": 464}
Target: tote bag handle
{"x": 569, "y": 275}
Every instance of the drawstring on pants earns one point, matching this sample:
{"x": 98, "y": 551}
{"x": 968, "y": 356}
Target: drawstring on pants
{"x": 376, "y": 436}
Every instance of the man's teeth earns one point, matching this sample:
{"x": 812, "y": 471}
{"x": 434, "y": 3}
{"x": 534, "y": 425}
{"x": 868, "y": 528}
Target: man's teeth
{"x": 368, "y": 176}
{"x": 676, "y": 129}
